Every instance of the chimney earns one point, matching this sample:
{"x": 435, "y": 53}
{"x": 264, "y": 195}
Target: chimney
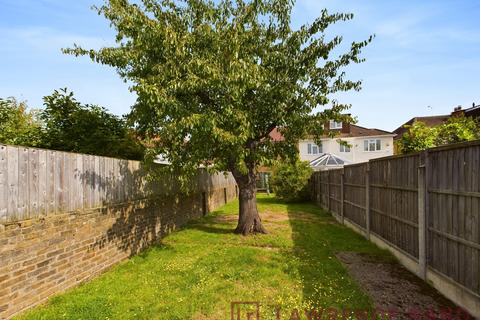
{"x": 346, "y": 126}
{"x": 457, "y": 111}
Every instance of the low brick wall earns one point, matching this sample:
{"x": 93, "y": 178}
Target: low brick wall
{"x": 45, "y": 256}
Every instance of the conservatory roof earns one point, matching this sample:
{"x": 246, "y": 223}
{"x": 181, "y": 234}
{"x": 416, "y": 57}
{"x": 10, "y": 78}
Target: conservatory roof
{"x": 327, "y": 160}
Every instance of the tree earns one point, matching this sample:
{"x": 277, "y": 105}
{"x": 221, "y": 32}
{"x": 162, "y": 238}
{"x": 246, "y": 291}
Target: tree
{"x": 17, "y": 125}
{"x": 213, "y": 79}
{"x": 419, "y": 137}
{"x": 457, "y": 129}
{"x": 71, "y": 126}
{"x": 290, "y": 180}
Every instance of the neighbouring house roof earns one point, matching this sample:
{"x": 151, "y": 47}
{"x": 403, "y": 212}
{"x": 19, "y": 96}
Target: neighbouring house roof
{"x": 473, "y": 111}
{"x": 433, "y": 121}
{"x": 353, "y": 131}
{"x": 430, "y": 121}
{"x": 275, "y": 135}
{"x": 358, "y": 131}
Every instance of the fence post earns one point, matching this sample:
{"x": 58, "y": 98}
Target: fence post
{"x": 342, "y": 197}
{"x": 422, "y": 225}
{"x": 367, "y": 201}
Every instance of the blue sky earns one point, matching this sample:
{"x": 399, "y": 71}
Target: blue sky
{"x": 424, "y": 60}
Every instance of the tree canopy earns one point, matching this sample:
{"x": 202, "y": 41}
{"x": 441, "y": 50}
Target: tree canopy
{"x": 71, "y": 126}
{"x": 213, "y": 79}
{"x": 420, "y": 137}
{"x": 18, "y": 126}
{"x": 65, "y": 124}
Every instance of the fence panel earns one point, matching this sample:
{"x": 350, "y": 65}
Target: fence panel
{"x": 36, "y": 182}
{"x": 452, "y": 205}
{"x": 394, "y": 201}
{"x": 453, "y": 214}
{"x": 324, "y": 189}
{"x": 335, "y": 197}
{"x": 354, "y": 197}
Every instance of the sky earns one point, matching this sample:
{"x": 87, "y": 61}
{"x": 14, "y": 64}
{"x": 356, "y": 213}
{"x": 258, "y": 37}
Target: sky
{"x": 424, "y": 60}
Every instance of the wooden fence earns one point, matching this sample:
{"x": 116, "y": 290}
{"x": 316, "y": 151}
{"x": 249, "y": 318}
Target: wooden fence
{"x": 37, "y": 182}
{"x": 426, "y": 205}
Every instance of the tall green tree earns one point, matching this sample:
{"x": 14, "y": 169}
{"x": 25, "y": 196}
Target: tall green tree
{"x": 214, "y": 78}
{"x": 18, "y": 126}
{"x": 70, "y": 126}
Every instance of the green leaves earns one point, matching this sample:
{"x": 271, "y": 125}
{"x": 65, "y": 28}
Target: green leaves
{"x": 70, "y": 126}
{"x": 290, "y": 180}
{"x": 457, "y": 128}
{"x": 17, "y": 125}
{"x": 214, "y": 78}
{"x": 418, "y": 137}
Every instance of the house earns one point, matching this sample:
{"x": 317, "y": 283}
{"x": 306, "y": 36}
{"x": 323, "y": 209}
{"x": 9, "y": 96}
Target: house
{"x": 362, "y": 144}
{"x": 359, "y": 144}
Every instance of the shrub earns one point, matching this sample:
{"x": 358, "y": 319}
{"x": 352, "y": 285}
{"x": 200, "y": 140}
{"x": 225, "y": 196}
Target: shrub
{"x": 290, "y": 180}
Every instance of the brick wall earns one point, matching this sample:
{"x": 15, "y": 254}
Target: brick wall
{"x": 44, "y": 256}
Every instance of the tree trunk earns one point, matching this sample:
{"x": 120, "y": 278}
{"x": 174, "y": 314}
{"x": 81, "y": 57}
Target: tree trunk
{"x": 248, "y": 220}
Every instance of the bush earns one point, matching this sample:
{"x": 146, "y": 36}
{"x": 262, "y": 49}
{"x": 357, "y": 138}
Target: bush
{"x": 290, "y": 180}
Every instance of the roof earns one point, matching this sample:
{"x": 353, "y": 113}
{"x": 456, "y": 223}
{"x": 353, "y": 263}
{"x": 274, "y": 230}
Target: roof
{"x": 328, "y": 160}
{"x": 276, "y": 135}
{"x": 473, "y": 111}
{"x": 433, "y": 121}
{"x": 358, "y": 131}
{"x": 430, "y": 121}
{"x": 354, "y": 131}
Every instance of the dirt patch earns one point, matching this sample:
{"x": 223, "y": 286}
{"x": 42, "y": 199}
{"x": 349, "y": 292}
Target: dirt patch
{"x": 267, "y": 216}
{"x": 225, "y": 219}
{"x": 272, "y": 216}
{"x": 395, "y": 289}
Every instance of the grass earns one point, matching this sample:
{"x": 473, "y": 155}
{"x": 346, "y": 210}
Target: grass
{"x": 196, "y": 272}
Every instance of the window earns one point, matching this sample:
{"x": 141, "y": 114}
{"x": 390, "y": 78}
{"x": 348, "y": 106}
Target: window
{"x": 313, "y": 149}
{"x": 335, "y": 125}
{"x": 344, "y": 148}
{"x": 372, "y": 145}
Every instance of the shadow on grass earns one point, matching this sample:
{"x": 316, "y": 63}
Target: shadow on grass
{"x": 209, "y": 228}
{"x": 325, "y": 282}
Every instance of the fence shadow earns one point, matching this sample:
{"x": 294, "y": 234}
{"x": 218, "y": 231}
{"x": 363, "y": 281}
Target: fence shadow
{"x": 316, "y": 239}
{"x": 145, "y": 207}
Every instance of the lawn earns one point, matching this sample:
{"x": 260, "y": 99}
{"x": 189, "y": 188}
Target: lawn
{"x": 196, "y": 272}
